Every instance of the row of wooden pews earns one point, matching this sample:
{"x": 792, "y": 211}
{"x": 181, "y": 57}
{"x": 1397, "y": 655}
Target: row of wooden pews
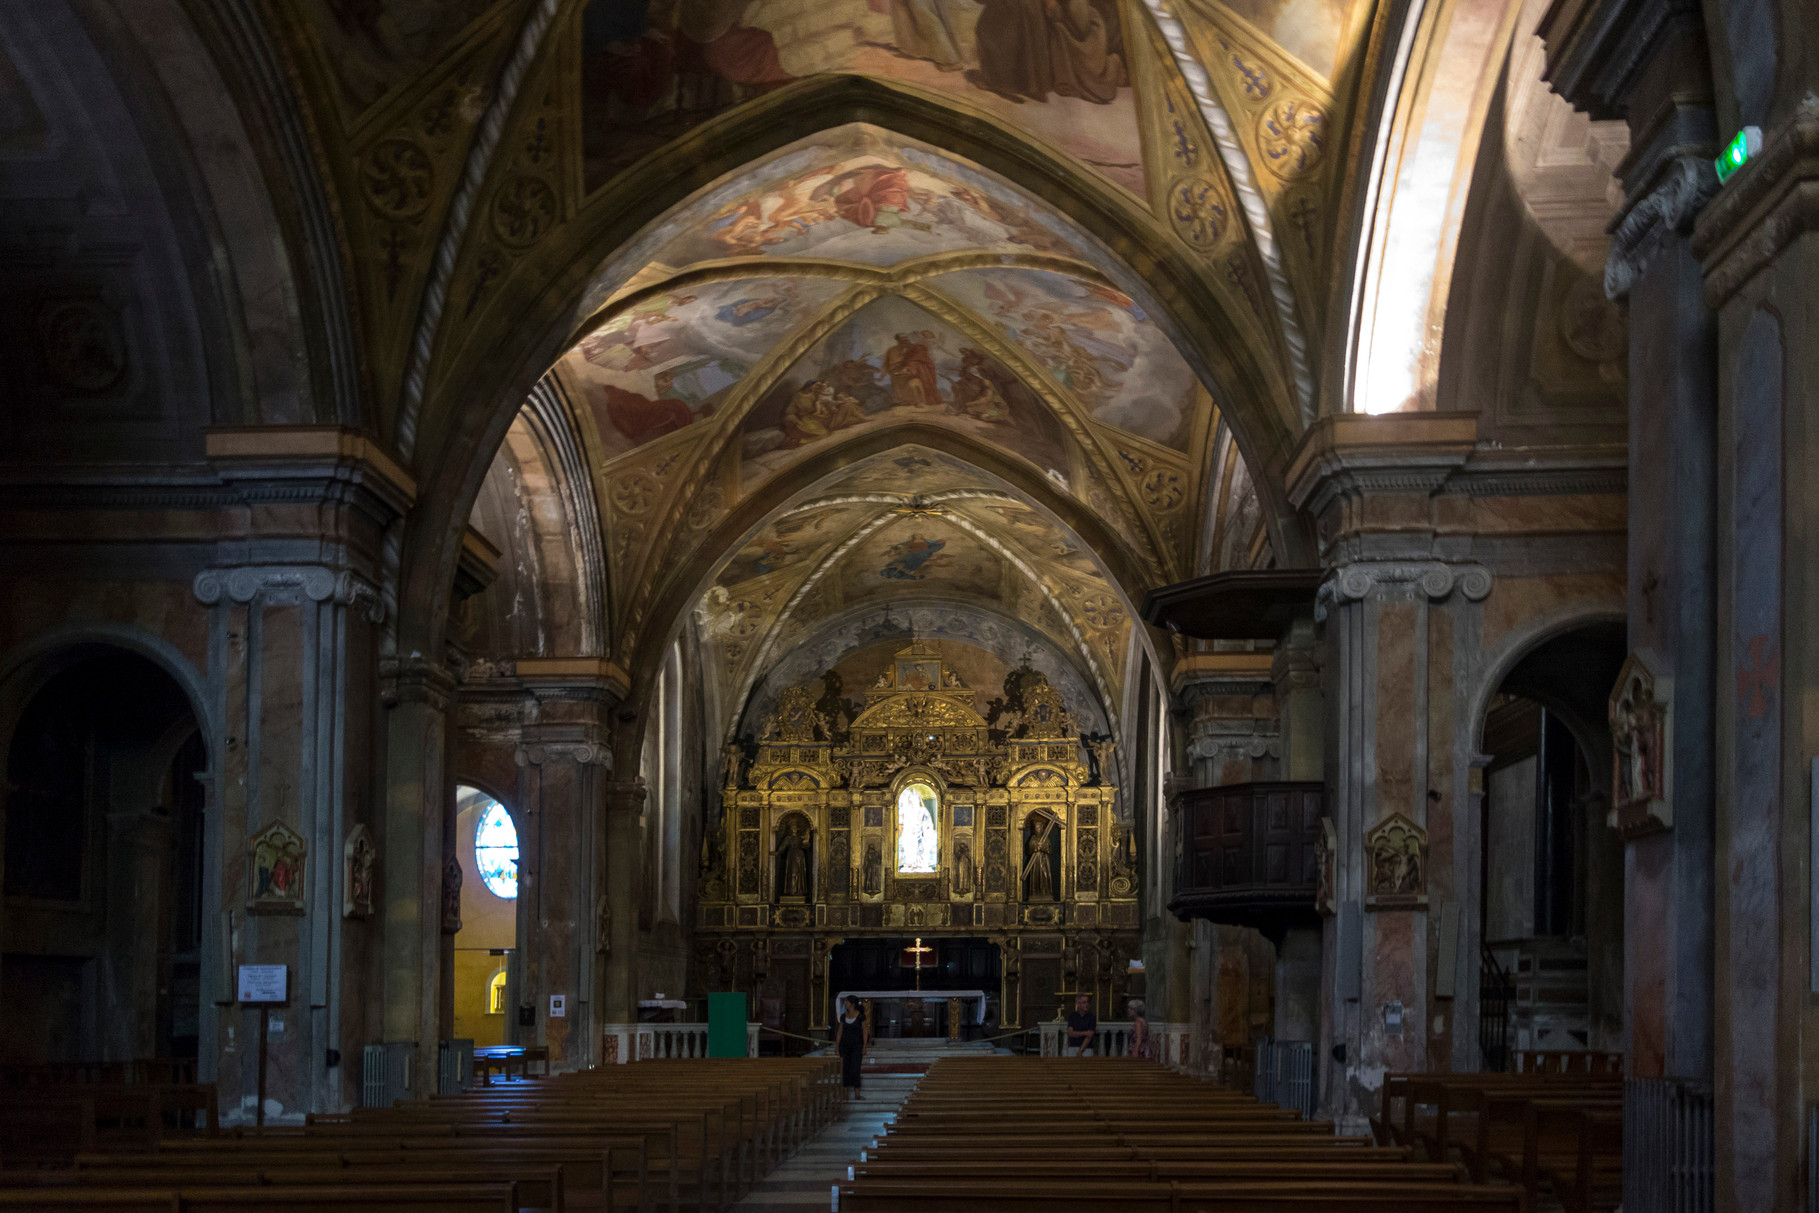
{"x": 692, "y": 1135}
{"x": 1096, "y": 1135}
{"x": 1558, "y": 1127}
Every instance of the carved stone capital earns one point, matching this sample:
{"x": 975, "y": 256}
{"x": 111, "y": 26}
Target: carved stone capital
{"x": 1361, "y": 579}
{"x": 625, "y": 795}
{"x": 316, "y": 582}
{"x": 414, "y": 680}
{"x": 583, "y": 753}
{"x": 1685, "y": 184}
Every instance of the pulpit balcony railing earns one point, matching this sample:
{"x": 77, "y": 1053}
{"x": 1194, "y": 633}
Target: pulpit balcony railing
{"x": 1249, "y": 855}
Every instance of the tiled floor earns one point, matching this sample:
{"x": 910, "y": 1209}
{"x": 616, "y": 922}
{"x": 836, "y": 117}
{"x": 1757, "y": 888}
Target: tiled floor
{"x": 805, "y": 1182}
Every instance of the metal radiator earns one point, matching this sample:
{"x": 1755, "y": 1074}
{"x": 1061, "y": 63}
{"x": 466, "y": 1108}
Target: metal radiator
{"x": 385, "y": 1074}
{"x": 456, "y": 1066}
{"x": 1285, "y": 1074}
{"x": 1667, "y": 1146}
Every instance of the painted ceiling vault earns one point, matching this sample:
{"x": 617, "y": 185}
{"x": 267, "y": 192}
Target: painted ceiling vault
{"x": 1007, "y": 342}
{"x": 860, "y": 371}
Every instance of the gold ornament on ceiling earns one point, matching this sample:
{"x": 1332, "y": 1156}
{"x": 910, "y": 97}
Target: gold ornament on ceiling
{"x": 523, "y": 210}
{"x": 1292, "y": 136}
{"x": 397, "y": 178}
{"x": 634, "y": 493}
{"x": 1196, "y": 208}
{"x": 1162, "y": 489}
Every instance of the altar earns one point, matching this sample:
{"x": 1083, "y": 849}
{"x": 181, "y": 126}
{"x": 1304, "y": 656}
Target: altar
{"x": 898, "y": 1013}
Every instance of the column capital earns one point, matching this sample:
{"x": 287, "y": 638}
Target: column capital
{"x": 1773, "y": 200}
{"x": 414, "y": 680}
{"x": 316, "y": 582}
{"x": 625, "y": 795}
{"x": 1360, "y": 579}
{"x": 582, "y": 753}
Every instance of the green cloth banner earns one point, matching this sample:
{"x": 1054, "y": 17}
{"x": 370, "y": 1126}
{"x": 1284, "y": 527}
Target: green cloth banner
{"x": 726, "y": 1025}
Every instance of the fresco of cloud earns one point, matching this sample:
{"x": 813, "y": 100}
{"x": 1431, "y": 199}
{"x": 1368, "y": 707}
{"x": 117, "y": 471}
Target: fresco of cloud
{"x": 1094, "y": 340}
{"x": 669, "y": 359}
{"x": 894, "y": 363}
{"x": 653, "y": 69}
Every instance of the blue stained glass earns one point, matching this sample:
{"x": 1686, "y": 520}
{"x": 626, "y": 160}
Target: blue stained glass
{"x": 496, "y": 851}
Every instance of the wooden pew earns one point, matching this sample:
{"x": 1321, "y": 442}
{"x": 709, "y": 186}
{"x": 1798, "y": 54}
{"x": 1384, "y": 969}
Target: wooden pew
{"x": 440, "y": 1198}
{"x": 1039, "y": 1195}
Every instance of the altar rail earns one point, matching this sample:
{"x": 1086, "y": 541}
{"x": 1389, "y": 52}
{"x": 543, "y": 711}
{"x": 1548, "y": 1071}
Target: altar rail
{"x": 1113, "y": 1039}
{"x": 625, "y": 1042}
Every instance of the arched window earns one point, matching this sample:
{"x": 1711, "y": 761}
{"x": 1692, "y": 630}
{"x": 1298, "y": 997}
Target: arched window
{"x": 495, "y": 994}
{"x": 496, "y": 851}
{"x": 918, "y": 841}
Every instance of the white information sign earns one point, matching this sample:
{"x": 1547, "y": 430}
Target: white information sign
{"x": 263, "y": 983}
{"x": 558, "y": 1006}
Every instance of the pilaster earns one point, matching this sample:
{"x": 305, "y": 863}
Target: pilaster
{"x": 1758, "y": 242}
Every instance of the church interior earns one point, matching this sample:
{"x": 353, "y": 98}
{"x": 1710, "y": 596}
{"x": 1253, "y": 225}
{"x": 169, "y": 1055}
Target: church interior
{"x": 551, "y": 543}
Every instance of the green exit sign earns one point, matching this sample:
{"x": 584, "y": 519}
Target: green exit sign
{"x": 1747, "y": 143}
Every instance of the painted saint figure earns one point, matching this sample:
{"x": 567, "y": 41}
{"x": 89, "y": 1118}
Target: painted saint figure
{"x": 912, "y": 372}
{"x": 817, "y": 410}
{"x": 874, "y": 870}
{"x": 1029, "y": 49}
{"x": 975, "y": 395}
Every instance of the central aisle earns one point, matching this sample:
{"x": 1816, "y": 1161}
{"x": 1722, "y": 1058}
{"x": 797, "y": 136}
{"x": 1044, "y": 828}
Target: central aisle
{"x": 805, "y": 1183}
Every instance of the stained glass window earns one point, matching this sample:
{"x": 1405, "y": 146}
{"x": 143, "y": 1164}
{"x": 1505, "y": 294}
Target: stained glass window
{"x": 496, "y": 851}
{"x": 918, "y": 843}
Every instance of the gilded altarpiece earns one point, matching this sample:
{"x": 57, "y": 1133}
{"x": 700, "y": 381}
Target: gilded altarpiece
{"x": 1029, "y": 850}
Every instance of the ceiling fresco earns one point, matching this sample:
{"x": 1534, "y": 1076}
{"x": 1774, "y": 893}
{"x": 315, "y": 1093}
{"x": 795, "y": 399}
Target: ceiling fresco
{"x": 915, "y": 528}
{"x": 653, "y": 69}
{"x": 1314, "y": 31}
{"x": 873, "y": 205}
{"x": 372, "y": 46}
{"x": 1094, "y": 339}
{"x": 673, "y": 357}
{"x": 894, "y": 363}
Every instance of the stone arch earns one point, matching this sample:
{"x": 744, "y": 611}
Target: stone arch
{"x": 130, "y": 823}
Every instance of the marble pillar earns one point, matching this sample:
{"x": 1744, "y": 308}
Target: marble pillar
{"x": 413, "y": 861}
{"x": 562, "y": 792}
{"x": 623, "y": 868}
{"x": 1758, "y": 241}
{"x": 1394, "y": 630}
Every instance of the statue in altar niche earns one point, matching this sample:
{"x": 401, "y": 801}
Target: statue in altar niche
{"x": 874, "y": 869}
{"x": 1038, "y": 858}
{"x": 793, "y": 855}
{"x": 963, "y": 869}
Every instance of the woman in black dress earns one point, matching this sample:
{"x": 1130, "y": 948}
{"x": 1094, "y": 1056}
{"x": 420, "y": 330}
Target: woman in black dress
{"x": 851, "y": 1036}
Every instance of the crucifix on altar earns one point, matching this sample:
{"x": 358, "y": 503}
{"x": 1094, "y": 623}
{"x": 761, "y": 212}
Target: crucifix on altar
{"x": 916, "y": 957}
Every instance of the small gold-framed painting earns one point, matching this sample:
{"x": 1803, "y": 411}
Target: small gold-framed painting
{"x": 275, "y": 875}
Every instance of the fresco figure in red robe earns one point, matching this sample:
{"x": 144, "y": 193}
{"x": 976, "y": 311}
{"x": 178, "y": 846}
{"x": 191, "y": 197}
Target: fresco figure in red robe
{"x": 877, "y": 196}
{"x": 912, "y": 372}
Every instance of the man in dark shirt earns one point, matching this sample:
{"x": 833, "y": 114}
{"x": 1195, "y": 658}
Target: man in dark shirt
{"x": 1082, "y": 1024}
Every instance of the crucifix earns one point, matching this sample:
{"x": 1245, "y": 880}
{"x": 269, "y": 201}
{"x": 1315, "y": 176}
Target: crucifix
{"x": 916, "y": 954}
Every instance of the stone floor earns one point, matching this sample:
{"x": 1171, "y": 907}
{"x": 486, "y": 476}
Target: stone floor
{"x": 805, "y": 1182}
